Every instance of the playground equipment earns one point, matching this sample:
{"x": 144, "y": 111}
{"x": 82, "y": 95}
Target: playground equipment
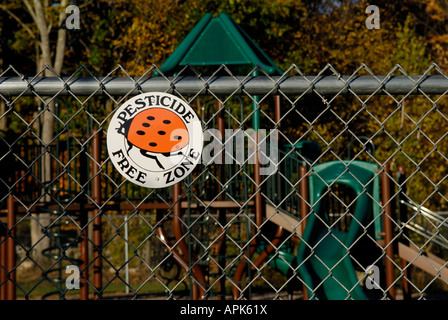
{"x": 338, "y": 242}
{"x": 329, "y": 244}
{"x": 335, "y": 240}
{"x": 320, "y": 224}
{"x": 329, "y": 231}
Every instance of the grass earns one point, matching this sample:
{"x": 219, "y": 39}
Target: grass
{"x": 33, "y": 289}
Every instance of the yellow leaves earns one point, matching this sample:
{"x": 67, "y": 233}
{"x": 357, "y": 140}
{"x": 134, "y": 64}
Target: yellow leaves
{"x": 435, "y": 10}
{"x": 438, "y": 38}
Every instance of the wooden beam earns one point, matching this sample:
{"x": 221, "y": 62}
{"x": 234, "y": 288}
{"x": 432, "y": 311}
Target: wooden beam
{"x": 429, "y": 263}
{"x": 284, "y": 220}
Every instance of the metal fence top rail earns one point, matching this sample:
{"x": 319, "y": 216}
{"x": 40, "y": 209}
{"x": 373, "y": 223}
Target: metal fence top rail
{"x": 225, "y": 85}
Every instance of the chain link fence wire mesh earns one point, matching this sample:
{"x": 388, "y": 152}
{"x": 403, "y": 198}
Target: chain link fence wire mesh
{"x": 356, "y": 207}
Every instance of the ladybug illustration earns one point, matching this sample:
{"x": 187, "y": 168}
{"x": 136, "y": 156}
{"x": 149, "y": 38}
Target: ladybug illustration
{"x": 156, "y": 132}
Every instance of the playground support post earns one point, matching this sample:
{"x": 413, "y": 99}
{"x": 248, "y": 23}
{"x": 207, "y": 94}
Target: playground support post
{"x": 279, "y": 233}
{"x": 403, "y": 217}
{"x": 222, "y": 213}
{"x": 258, "y": 207}
{"x": 11, "y": 250}
{"x": 84, "y": 251}
{"x": 304, "y": 208}
{"x": 387, "y": 225}
{"x": 97, "y": 223}
{"x": 83, "y": 221}
{"x": 3, "y": 235}
{"x": 257, "y": 176}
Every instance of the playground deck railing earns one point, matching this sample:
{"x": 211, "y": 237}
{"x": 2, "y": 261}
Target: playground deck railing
{"x": 348, "y": 210}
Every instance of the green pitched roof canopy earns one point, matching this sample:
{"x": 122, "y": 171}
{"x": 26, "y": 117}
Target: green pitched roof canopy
{"x": 216, "y": 41}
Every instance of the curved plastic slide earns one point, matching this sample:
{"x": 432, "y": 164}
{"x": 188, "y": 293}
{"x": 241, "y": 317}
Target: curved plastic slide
{"x": 323, "y": 255}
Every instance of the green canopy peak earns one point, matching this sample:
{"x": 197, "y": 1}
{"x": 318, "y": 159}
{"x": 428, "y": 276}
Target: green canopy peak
{"x": 217, "y": 41}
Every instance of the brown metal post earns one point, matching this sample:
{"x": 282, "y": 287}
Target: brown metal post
{"x": 304, "y": 208}
{"x": 259, "y": 211}
{"x": 3, "y": 262}
{"x": 277, "y": 109}
{"x": 97, "y": 224}
{"x": 259, "y": 220}
{"x": 222, "y": 213}
{"x": 279, "y": 233}
{"x": 387, "y": 225}
{"x": 11, "y": 250}
{"x": 304, "y": 196}
{"x": 277, "y": 116}
{"x": 83, "y": 221}
{"x": 84, "y": 257}
{"x": 402, "y": 213}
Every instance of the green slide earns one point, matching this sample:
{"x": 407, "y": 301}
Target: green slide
{"x": 323, "y": 256}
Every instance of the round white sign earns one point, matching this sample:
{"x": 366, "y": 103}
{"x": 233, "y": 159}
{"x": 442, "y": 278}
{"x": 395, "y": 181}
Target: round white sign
{"x": 155, "y": 139}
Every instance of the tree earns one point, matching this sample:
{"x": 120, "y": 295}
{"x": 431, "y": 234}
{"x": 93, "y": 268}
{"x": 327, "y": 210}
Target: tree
{"x": 49, "y": 59}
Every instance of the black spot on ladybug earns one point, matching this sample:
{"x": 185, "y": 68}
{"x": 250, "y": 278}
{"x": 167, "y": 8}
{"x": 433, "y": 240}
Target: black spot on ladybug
{"x": 162, "y": 133}
{"x": 153, "y": 144}
{"x": 145, "y": 124}
{"x": 166, "y": 121}
{"x": 150, "y": 118}
{"x": 177, "y": 138}
{"x": 141, "y": 133}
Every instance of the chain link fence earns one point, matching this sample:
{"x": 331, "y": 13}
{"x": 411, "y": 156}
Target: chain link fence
{"x": 354, "y": 208}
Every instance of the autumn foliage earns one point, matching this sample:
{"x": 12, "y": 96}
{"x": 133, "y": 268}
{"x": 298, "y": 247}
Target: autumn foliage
{"x": 302, "y": 37}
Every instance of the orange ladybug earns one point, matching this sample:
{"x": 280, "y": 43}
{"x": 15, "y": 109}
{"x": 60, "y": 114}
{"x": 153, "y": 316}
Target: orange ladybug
{"x": 156, "y": 131}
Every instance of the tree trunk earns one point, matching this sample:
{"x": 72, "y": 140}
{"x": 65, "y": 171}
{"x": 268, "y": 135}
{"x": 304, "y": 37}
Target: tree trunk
{"x": 37, "y": 11}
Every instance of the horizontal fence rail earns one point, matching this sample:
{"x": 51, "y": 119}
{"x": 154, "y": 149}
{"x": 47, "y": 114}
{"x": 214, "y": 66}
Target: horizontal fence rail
{"x": 225, "y": 85}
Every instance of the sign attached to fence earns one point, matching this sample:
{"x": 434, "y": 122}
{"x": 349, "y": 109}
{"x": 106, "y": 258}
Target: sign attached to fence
{"x": 155, "y": 139}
